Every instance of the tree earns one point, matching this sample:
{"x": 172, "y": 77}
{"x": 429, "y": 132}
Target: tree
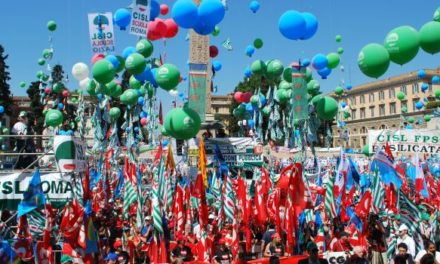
{"x": 36, "y": 117}
{"x": 5, "y": 93}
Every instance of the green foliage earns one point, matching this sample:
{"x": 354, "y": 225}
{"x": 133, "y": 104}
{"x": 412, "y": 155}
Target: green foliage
{"x": 5, "y": 92}
{"x": 432, "y": 105}
{"x": 36, "y": 117}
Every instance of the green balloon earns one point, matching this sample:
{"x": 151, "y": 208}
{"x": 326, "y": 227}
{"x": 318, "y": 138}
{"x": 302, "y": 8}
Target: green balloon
{"x": 58, "y": 87}
{"x": 339, "y": 90}
{"x": 5, "y": 131}
{"x": 258, "y": 67}
{"x": 437, "y": 93}
{"x": 258, "y": 43}
{"x": 327, "y": 108}
{"x": 110, "y": 88}
{"x": 135, "y": 63}
{"x": 404, "y": 110}
{"x": 402, "y": 44}
{"x": 91, "y": 87}
{"x": 22, "y": 84}
{"x": 74, "y": 100}
{"x": 346, "y": 115}
{"x": 333, "y": 60}
{"x": 118, "y": 91}
{"x": 216, "y": 31}
{"x": 287, "y": 74}
{"x": 134, "y": 83}
{"x": 283, "y": 96}
{"x": 114, "y": 113}
{"x": 255, "y": 99}
{"x": 366, "y": 150}
{"x": 285, "y": 85}
{"x": 274, "y": 68}
{"x": 374, "y": 60}
{"x": 54, "y": 118}
{"x": 182, "y": 123}
{"x": 103, "y": 71}
{"x": 338, "y": 38}
{"x": 427, "y": 118}
{"x": 168, "y": 77}
{"x": 47, "y": 53}
{"x": 436, "y": 16}
{"x": 430, "y": 37}
{"x": 129, "y": 97}
{"x": 309, "y": 75}
{"x": 121, "y": 64}
{"x": 41, "y": 61}
{"x": 51, "y": 25}
{"x": 149, "y": 90}
{"x": 164, "y": 132}
{"x": 145, "y": 47}
{"x": 401, "y": 95}
{"x": 45, "y": 77}
{"x": 315, "y": 100}
{"x": 313, "y": 87}
{"x": 340, "y": 50}
{"x": 266, "y": 111}
{"x": 411, "y": 119}
{"x": 40, "y": 74}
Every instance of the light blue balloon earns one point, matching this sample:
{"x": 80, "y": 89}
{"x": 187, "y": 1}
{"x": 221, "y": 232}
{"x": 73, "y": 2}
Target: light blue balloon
{"x": 419, "y": 105}
{"x": 421, "y": 74}
{"x": 343, "y": 104}
{"x": 122, "y": 18}
{"x": 181, "y": 94}
{"x": 60, "y": 106}
{"x": 2, "y": 109}
{"x": 324, "y": 73}
{"x": 348, "y": 87}
{"x": 113, "y": 60}
{"x": 247, "y": 72}
{"x": 203, "y": 28}
{"x": 136, "y": 129}
{"x": 435, "y": 79}
{"x": 154, "y": 10}
{"x": 263, "y": 100}
{"x": 141, "y": 101}
{"x": 250, "y": 49}
{"x": 251, "y": 123}
{"x": 211, "y": 11}
{"x": 147, "y": 75}
{"x": 305, "y": 62}
{"x": 143, "y": 114}
{"x": 425, "y": 87}
{"x": 409, "y": 127}
{"x": 153, "y": 81}
{"x": 164, "y": 143}
{"x": 292, "y": 25}
{"x": 249, "y": 108}
{"x": 254, "y": 6}
{"x": 128, "y": 51}
{"x": 99, "y": 97}
{"x": 185, "y": 13}
{"x": 311, "y": 25}
{"x": 319, "y": 61}
{"x": 216, "y": 65}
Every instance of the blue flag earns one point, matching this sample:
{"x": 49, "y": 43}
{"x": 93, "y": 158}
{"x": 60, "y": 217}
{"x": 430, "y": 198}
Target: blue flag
{"x": 120, "y": 184}
{"x": 8, "y": 254}
{"x": 33, "y": 197}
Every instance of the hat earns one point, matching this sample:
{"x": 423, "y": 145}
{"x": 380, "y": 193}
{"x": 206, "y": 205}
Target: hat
{"x": 118, "y": 243}
{"x": 276, "y": 235}
{"x": 398, "y": 217}
{"x": 403, "y": 227}
{"x": 111, "y": 256}
{"x": 66, "y": 258}
{"x": 391, "y": 214}
{"x": 425, "y": 216}
{"x": 211, "y": 216}
{"x": 147, "y": 218}
{"x": 311, "y": 246}
{"x": 23, "y": 114}
{"x": 383, "y": 214}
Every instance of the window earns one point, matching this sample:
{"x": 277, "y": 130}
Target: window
{"x": 414, "y": 102}
{"x": 372, "y": 111}
{"x": 371, "y": 97}
{"x": 415, "y": 88}
{"x": 364, "y": 130}
{"x": 381, "y": 95}
{"x": 352, "y": 100}
{"x": 392, "y": 93}
{"x": 362, "y": 99}
{"x": 392, "y": 108}
{"x": 362, "y": 110}
{"x": 353, "y": 114}
{"x": 404, "y": 104}
{"x": 383, "y": 126}
{"x": 430, "y": 87}
{"x": 381, "y": 110}
{"x": 403, "y": 89}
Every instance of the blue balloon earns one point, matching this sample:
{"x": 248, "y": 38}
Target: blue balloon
{"x": 324, "y": 72}
{"x": 185, "y": 13}
{"x": 254, "y": 6}
{"x": 113, "y": 60}
{"x": 153, "y": 81}
{"x": 305, "y": 62}
{"x": 409, "y": 127}
{"x": 249, "y": 108}
{"x": 421, "y": 74}
{"x": 143, "y": 114}
{"x": 60, "y": 106}
{"x": 263, "y": 100}
{"x": 139, "y": 93}
{"x": 141, "y": 101}
{"x": 419, "y": 105}
{"x": 343, "y": 104}
{"x": 250, "y": 50}
{"x": 319, "y": 61}
{"x": 128, "y": 51}
{"x": 435, "y": 79}
{"x": 136, "y": 129}
{"x": 154, "y": 10}
{"x": 99, "y": 97}
{"x": 203, "y": 28}
{"x": 247, "y": 72}
{"x": 164, "y": 143}
{"x": 425, "y": 87}
{"x": 211, "y": 12}
{"x": 251, "y": 123}
{"x": 292, "y": 25}
{"x": 216, "y": 65}
{"x": 147, "y": 75}
{"x": 122, "y": 18}
{"x": 348, "y": 86}
{"x": 2, "y": 109}
{"x": 311, "y": 25}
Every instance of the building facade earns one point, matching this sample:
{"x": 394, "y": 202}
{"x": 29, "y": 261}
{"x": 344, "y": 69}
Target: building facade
{"x": 375, "y": 106}
{"x": 220, "y": 108}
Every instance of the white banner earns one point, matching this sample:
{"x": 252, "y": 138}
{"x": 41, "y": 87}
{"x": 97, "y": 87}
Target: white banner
{"x": 411, "y": 140}
{"x": 101, "y": 33}
{"x": 335, "y": 257}
{"x": 140, "y": 16}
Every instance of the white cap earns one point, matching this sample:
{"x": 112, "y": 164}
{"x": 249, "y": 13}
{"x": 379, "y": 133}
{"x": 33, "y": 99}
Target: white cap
{"x": 403, "y": 227}
{"x": 148, "y": 217}
{"x": 211, "y": 216}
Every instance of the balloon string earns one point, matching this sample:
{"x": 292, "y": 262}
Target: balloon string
{"x": 164, "y": 50}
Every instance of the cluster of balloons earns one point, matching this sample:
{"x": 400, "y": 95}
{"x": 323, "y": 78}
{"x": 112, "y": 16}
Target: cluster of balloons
{"x": 202, "y": 19}
{"x": 294, "y": 25}
{"x": 257, "y": 44}
{"x": 324, "y": 64}
{"x": 162, "y": 28}
{"x": 122, "y": 16}
{"x": 401, "y": 45}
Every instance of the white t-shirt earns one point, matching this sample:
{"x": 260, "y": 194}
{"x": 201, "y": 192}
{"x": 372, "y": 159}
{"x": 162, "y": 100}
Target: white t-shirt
{"x": 409, "y": 241}
{"x": 423, "y": 252}
{"x": 19, "y": 128}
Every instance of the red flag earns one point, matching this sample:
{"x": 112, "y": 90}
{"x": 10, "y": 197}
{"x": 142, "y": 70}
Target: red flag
{"x": 178, "y": 210}
{"x": 260, "y": 204}
{"x": 23, "y": 240}
{"x": 290, "y": 225}
{"x": 153, "y": 251}
{"x": 265, "y": 181}
{"x": 388, "y": 151}
{"x": 87, "y": 195}
{"x": 163, "y": 251}
{"x": 364, "y": 205}
{"x": 200, "y": 193}
{"x": 70, "y": 251}
{"x": 72, "y": 222}
{"x": 391, "y": 197}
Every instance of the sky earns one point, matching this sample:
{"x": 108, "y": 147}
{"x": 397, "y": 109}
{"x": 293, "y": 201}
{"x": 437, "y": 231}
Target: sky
{"x": 24, "y": 35}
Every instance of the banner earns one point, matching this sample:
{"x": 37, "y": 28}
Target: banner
{"x": 413, "y": 140}
{"x": 140, "y": 15}
{"x": 197, "y": 88}
{"x": 56, "y": 186}
{"x": 70, "y": 153}
{"x": 299, "y": 101}
{"x": 335, "y": 257}
{"x": 101, "y": 33}
{"x": 237, "y": 152}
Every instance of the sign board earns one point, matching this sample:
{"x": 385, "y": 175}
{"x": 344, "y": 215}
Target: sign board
{"x": 197, "y": 88}
{"x": 299, "y": 102}
{"x": 237, "y": 152}
{"x": 140, "y": 15}
{"x": 413, "y": 140}
{"x": 335, "y": 257}
{"x": 56, "y": 186}
{"x": 70, "y": 153}
{"x": 102, "y": 38}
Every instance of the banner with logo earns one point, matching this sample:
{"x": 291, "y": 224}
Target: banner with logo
{"x": 197, "y": 89}
{"x": 237, "y": 152}
{"x": 70, "y": 154}
{"x": 335, "y": 257}
{"x": 102, "y": 38}
{"x": 56, "y": 186}
{"x": 413, "y": 140}
{"x": 140, "y": 15}
{"x": 299, "y": 102}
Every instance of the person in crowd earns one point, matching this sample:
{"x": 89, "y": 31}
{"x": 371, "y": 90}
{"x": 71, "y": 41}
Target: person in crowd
{"x": 358, "y": 256}
{"x": 313, "y": 258}
{"x": 377, "y": 240}
{"x": 425, "y": 226}
{"x": 23, "y": 144}
{"x": 123, "y": 257}
{"x": 343, "y": 243}
{"x": 405, "y": 238}
{"x": 267, "y": 236}
{"x": 223, "y": 254}
{"x": 437, "y": 233}
{"x": 402, "y": 257}
{"x": 428, "y": 259}
{"x": 275, "y": 248}
{"x": 181, "y": 253}
{"x": 111, "y": 258}
{"x": 429, "y": 249}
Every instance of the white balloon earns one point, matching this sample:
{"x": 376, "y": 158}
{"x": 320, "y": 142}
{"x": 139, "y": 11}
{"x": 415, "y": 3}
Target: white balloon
{"x": 84, "y": 83}
{"x": 173, "y": 93}
{"x": 80, "y": 71}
